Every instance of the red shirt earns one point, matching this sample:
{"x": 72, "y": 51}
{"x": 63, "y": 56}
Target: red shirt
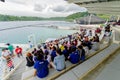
{"x": 18, "y": 50}
{"x": 10, "y": 63}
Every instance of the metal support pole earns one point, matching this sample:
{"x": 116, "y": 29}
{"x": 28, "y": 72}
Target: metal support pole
{"x": 118, "y": 18}
{"x": 89, "y": 19}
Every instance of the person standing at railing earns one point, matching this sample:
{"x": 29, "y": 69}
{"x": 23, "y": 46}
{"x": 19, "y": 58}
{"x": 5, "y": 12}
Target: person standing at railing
{"x": 7, "y": 59}
{"x": 30, "y": 44}
{"x": 11, "y": 49}
{"x": 18, "y": 51}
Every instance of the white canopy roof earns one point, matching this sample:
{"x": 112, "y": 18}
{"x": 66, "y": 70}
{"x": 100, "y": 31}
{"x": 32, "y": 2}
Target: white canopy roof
{"x": 100, "y": 6}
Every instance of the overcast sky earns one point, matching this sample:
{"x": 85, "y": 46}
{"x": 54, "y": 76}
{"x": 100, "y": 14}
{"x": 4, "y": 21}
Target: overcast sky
{"x": 42, "y": 8}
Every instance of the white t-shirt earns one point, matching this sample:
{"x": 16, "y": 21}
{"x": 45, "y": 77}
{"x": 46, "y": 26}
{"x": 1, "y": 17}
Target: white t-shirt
{"x": 86, "y": 50}
{"x": 6, "y": 53}
{"x": 48, "y": 58}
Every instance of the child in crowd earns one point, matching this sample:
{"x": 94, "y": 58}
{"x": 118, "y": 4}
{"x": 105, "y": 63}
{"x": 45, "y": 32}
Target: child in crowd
{"x": 10, "y": 64}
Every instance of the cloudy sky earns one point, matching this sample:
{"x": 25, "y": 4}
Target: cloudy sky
{"x": 42, "y": 8}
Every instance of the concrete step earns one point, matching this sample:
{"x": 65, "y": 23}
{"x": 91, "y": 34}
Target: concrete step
{"x": 83, "y": 69}
{"x": 53, "y": 71}
{"x": 108, "y": 70}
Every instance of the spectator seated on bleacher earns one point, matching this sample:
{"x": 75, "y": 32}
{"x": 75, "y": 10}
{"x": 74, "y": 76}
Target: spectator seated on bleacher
{"x": 81, "y": 52}
{"x": 62, "y": 46}
{"x": 66, "y": 52}
{"x": 90, "y": 33}
{"x": 59, "y": 61}
{"x": 74, "y": 57}
{"x": 95, "y": 45}
{"x": 98, "y": 30}
{"x": 107, "y": 28}
{"x": 47, "y": 56}
{"x": 41, "y": 67}
{"x": 30, "y": 61}
{"x": 53, "y": 53}
{"x": 87, "y": 42}
{"x": 34, "y": 51}
{"x": 85, "y": 47}
{"x": 107, "y": 31}
{"x": 97, "y": 38}
{"x": 72, "y": 47}
{"x": 107, "y": 34}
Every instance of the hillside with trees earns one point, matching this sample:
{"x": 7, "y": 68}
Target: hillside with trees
{"x": 18, "y": 18}
{"x": 25, "y": 18}
{"x": 84, "y": 14}
{"x": 71, "y": 17}
{"x": 76, "y": 16}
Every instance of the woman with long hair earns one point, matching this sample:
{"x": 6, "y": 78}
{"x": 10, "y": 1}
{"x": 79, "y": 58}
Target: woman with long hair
{"x": 29, "y": 58}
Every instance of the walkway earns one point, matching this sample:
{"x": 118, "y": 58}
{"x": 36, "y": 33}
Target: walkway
{"x": 18, "y": 73}
{"x": 117, "y": 33}
{"x": 17, "y": 61}
{"x": 109, "y": 70}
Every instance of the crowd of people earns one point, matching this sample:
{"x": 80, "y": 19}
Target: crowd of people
{"x": 53, "y": 54}
{"x": 8, "y": 55}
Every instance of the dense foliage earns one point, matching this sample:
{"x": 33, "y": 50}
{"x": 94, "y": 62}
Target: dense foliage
{"x": 24, "y": 18}
{"x": 83, "y": 14}
{"x": 18, "y": 18}
{"x": 104, "y": 16}
{"x": 71, "y": 17}
{"x": 77, "y": 15}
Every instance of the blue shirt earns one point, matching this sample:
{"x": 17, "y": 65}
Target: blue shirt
{"x": 42, "y": 68}
{"x": 35, "y": 58}
{"x": 74, "y": 57}
{"x": 65, "y": 52}
{"x": 53, "y": 54}
{"x": 59, "y": 62}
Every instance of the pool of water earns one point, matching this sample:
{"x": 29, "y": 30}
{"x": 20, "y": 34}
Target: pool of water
{"x": 20, "y": 35}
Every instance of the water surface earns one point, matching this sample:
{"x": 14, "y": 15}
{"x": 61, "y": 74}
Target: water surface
{"x": 20, "y": 35}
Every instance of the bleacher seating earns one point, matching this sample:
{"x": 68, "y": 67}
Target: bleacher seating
{"x": 83, "y": 69}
